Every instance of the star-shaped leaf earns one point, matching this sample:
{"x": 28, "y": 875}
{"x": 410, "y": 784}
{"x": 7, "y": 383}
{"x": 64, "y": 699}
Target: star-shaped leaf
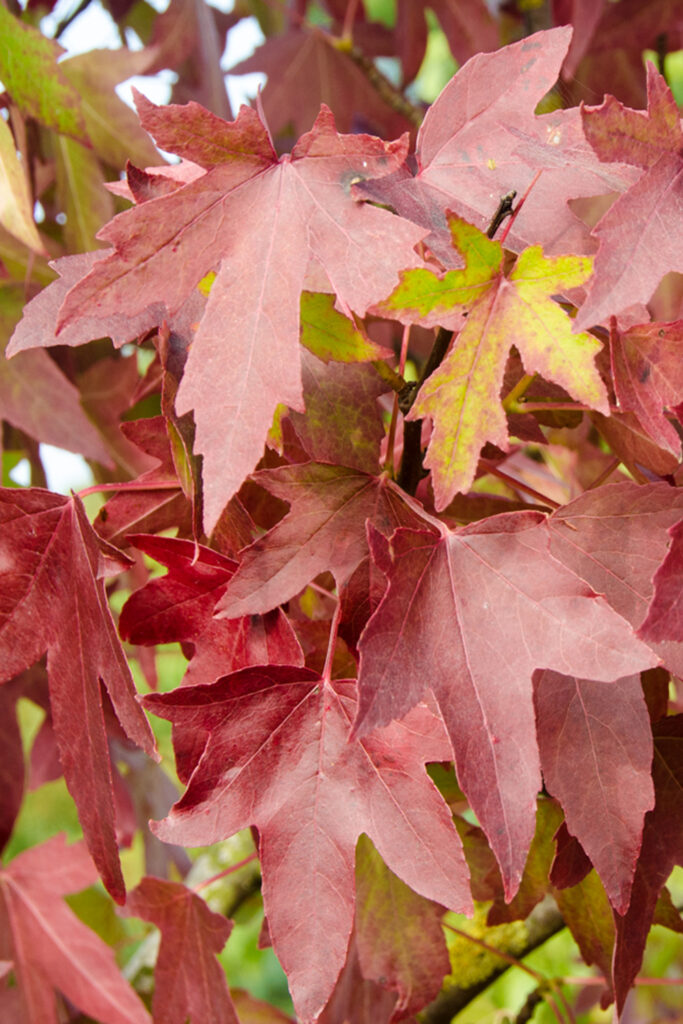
{"x": 469, "y": 615}
{"x": 278, "y": 757}
{"x": 257, "y": 221}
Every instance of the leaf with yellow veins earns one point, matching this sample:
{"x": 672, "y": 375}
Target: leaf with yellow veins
{"x": 462, "y": 397}
{"x": 434, "y": 300}
{"x": 330, "y": 335}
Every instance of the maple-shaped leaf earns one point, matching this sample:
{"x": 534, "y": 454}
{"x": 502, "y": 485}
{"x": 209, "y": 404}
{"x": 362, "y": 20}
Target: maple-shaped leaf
{"x": 662, "y": 849}
{"x": 665, "y": 615}
{"x": 615, "y": 538}
{"x": 50, "y": 948}
{"x": 12, "y": 769}
{"x": 462, "y": 396}
{"x": 596, "y": 755}
{"x": 470, "y": 614}
{"x": 324, "y": 530}
{"x": 586, "y": 911}
{"x": 648, "y": 376}
{"x": 244, "y": 358}
{"x": 637, "y": 243}
{"x": 399, "y": 937}
{"x": 53, "y": 600}
{"x": 189, "y": 983}
{"x": 481, "y": 139}
{"x": 278, "y": 757}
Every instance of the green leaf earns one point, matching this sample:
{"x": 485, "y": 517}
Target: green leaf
{"x": 330, "y": 335}
{"x": 34, "y": 80}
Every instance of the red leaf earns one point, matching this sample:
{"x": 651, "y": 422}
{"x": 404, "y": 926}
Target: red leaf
{"x": 53, "y": 599}
{"x": 637, "y": 245}
{"x": 278, "y": 757}
{"x": 596, "y": 753}
{"x": 51, "y": 948}
{"x": 665, "y": 615}
{"x": 615, "y": 538}
{"x": 244, "y": 359}
{"x": 470, "y": 615}
{"x": 324, "y": 530}
{"x": 189, "y": 983}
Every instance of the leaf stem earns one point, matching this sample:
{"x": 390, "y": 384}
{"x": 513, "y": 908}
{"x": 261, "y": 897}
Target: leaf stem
{"x": 225, "y": 873}
{"x": 548, "y": 407}
{"x": 128, "y": 485}
{"x": 519, "y": 206}
{"x": 516, "y": 392}
{"x": 606, "y": 473}
{"x": 517, "y": 484}
{"x": 349, "y": 18}
{"x": 331, "y": 643}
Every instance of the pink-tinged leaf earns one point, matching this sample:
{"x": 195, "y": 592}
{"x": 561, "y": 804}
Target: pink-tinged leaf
{"x": 662, "y": 849}
{"x": 399, "y": 936}
{"x": 189, "y": 983}
{"x": 278, "y": 757}
{"x": 324, "y": 530}
{"x": 50, "y": 948}
{"x": 665, "y": 615}
{"x": 647, "y": 367}
{"x": 618, "y": 133}
{"x": 615, "y": 538}
{"x": 595, "y": 744}
{"x": 289, "y": 212}
{"x": 481, "y": 138}
{"x": 38, "y": 327}
{"x": 51, "y": 558}
{"x": 637, "y": 246}
{"x": 453, "y": 604}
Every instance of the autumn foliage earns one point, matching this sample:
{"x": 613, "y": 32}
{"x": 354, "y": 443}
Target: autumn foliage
{"x": 384, "y": 404}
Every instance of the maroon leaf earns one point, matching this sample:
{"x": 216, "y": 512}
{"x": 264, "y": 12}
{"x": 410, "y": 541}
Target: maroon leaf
{"x": 289, "y": 212}
{"x": 324, "y": 530}
{"x": 51, "y": 558}
{"x": 615, "y": 538}
{"x": 189, "y": 983}
{"x": 596, "y": 752}
{"x": 453, "y": 604}
{"x": 278, "y": 757}
{"x": 646, "y": 365}
{"x": 662, "y": 849}
{"x": 665, "y": 615}
{"x": 50, "y": 948}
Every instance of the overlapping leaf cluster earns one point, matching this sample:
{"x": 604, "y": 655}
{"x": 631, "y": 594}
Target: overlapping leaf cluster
{"x": 470, "y": 558}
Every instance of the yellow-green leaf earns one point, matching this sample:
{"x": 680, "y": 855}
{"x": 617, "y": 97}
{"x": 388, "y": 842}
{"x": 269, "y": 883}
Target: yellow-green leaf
{"x": 462, "y": 397}
{"x": 330, "y": 335}
{"x": 431, "y": 299}
{"x": 31, "y": 75}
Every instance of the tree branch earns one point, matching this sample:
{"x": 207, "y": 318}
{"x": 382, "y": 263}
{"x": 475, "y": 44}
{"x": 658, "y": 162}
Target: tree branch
{"x": 543, "y": 922}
